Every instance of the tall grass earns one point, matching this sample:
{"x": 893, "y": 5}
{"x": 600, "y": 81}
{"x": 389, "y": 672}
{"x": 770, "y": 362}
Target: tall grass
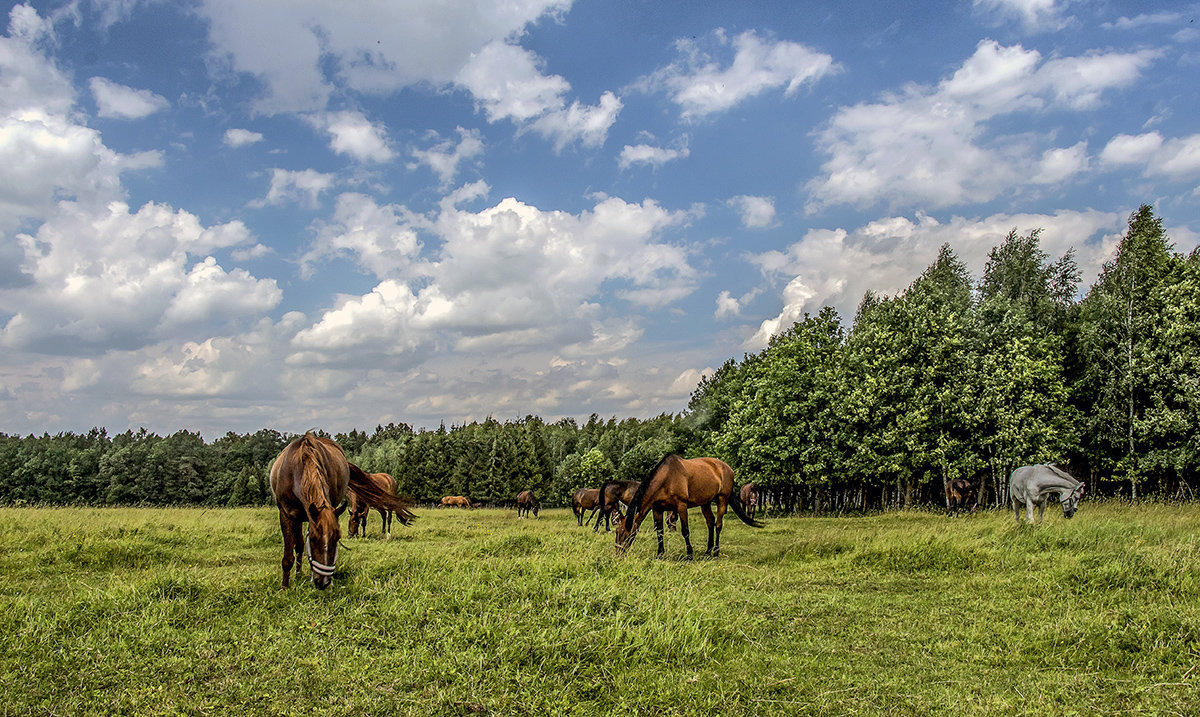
{"x": 132, "y": 611}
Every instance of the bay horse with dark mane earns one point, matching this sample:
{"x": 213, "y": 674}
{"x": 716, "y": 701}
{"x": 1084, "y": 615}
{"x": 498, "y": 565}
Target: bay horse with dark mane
{"x": 961, "y": 494}
{"x": 309, "y": 478}
{"x": 584, "y": 499}
{"x": 675, "y": 485}
{"x": 360, "y": 507}
{"x": 526, "y": 503}
{"x": 612, "y": 494}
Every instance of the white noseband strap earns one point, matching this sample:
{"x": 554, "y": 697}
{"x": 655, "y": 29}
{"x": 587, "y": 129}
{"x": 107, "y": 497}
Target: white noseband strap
{"x": 319, "y": 568}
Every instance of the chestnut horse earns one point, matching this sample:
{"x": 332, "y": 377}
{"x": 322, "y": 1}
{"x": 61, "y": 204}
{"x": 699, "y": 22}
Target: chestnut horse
{"x": 360, "y": 507}
{"x": 456, "y": 501}
{"x": 310, "y": 477}
{"x": 612, "y": 494}
{"x": 526, "y": 502}
{"x": 676, "y": 484}
{"x": 585, "y": 499}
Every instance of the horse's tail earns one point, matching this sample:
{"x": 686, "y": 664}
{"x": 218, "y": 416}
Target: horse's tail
{"x": 735, "y": 502}
{"x": 372, "y": 494}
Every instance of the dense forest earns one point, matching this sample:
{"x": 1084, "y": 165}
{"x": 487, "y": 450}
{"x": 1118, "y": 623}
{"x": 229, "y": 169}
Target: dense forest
{"x": 952, "y": 378}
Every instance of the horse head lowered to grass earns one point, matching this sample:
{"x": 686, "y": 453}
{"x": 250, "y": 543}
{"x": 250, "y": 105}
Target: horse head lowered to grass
{"x": 675, "y": 485}
{"x": 309, "y": 478}
{"x": 527, "y": 503}
{"x": 1033, "y": 485}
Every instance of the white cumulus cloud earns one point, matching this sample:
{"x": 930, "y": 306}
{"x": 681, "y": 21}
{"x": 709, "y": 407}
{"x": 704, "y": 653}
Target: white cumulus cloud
{"x": 107, "y": 278}
{"x": 755, "y": 212}
{"x": 302, "y": 186}
{"x": 351, "y": 133}
{"x": 1158, "y": 156}
{"x": 445, "y": 156}
{"x": 121, "y": 102}
{"x": 650, "y": 155}
{"x": 930, "y": 146}
{"x": 237, "y": 137}
{"x": 701, "y": 85}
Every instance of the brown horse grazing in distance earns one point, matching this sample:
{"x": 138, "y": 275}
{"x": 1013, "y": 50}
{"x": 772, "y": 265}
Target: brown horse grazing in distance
{"x": 526, "y": 503}
{"x": 612, "y": 494}
{"x": 456, "y": 501}
{"x": 309, "y": 477}
{"x": 360, "y": 507}
{"x": 585, "y": 499}
{"x": 749, "y": 497}
{"x": 961, "y": 494}
{"x": 676, "y": 484}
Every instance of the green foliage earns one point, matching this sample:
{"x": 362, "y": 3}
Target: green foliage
{"x": 595, "y": 468}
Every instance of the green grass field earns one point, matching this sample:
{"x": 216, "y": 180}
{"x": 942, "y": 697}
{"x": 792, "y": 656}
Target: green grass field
{"x": 163, "y": 612}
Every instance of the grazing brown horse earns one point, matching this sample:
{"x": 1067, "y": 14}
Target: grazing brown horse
{"x": 612, "y": 494}
{"x": 749, "y": 495}
{"x": 526, "y": 503}
{"x": 360, "y": 507}
{"x": 585, "y": 499}
{"x": 961, "y": 494}
{"x": 309, "y": 477}
{"x": 676, "y": 484}
{"x": 456, "y": 501}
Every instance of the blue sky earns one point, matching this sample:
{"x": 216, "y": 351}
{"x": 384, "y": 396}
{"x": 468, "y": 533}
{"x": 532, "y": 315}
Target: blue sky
{"x": 227, "y": 215}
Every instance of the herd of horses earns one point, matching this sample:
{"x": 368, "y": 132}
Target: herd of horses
{"x": 313, "y": 483}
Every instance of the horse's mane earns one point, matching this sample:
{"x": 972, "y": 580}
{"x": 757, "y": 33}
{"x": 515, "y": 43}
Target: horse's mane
{"x": 313, "y": 459}
{"x": 1062, "y": 474}
{"x": 644, "y": 486}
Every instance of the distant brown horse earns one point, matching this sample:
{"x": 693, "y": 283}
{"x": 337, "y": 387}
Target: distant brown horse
{"x": 456, "y": 501}
{"x": 749, "y": 496}
{"x": 360, "y": 507}
{"x": 585, "y": 499}
{"x": 310, "y": 477}
{"x": 526, "y": 502}
{"x": 961, "y": 494}
{"x": 676, "y": 484}
{"x": 612, "y": 494}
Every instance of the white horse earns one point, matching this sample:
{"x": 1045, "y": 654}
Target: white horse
{"x": 1033, "y": 485}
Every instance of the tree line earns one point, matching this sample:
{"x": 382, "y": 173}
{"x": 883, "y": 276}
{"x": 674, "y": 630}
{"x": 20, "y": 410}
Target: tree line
{"x": 951, "y": 378}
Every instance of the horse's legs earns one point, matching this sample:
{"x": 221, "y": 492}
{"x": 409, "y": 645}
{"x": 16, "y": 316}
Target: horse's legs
{"x": 681, "y": 511}
{"x": 658, "y": 529}
{"x": 1016, "y": 509}
{"x": 706, "y": 509}
{"x": 722, "y": 504}
{"x": 297, "y": 529}
{"x": 288, "y": 554}
{"x": 1041, "y": 511}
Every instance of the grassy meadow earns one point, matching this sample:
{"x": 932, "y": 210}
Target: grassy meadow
{"x": 179, "y": 612}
